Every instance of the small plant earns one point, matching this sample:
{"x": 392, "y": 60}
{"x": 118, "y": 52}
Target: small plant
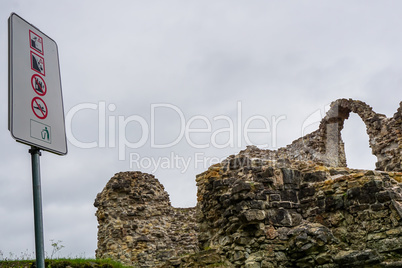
{"x": 57, "y": 246}
{"x": 25, "y": 255}
{"x": 12, "y": 256}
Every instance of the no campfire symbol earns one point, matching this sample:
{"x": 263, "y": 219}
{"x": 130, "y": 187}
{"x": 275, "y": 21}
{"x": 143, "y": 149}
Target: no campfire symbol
{"x": 38, "y": 84}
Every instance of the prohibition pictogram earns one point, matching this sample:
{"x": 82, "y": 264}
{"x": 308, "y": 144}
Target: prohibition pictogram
{"x": 38, "y": 84}
{"x": 39, "y": 108}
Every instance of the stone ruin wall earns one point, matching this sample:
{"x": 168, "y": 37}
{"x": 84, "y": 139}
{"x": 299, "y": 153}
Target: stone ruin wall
{"x": 298, "y": 206}
{"x": 137, "y": 223}
{"x": 262, "y": 213}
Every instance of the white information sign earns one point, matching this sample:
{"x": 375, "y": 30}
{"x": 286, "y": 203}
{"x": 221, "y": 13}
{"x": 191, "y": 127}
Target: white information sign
{"x": 36, "y": 114}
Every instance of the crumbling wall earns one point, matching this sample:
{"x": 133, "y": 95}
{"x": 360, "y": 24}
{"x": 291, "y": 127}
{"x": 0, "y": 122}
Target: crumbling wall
{"x": 138, "y": 225}
{"x": 262, "y": 213}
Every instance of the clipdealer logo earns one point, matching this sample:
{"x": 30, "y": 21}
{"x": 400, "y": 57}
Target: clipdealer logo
{"x": 115, "y": 131}
{"x": 112, "y": 128}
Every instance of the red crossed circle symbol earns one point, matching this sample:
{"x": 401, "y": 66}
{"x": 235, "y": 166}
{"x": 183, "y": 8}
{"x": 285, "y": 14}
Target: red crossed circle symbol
{"x": 39, "y": 108}
{"x": 39, "y": 85}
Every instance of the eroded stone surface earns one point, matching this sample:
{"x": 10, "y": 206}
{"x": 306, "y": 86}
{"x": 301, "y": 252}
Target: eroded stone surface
{"x": 137, "y": 224}
{"x": 299, "y": 214}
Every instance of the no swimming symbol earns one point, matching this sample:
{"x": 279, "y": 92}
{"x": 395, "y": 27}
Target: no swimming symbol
{"x": 39, "y": 108}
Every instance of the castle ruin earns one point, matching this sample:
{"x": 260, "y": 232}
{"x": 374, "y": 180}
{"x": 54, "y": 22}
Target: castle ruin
{"x": 298, "y": 206}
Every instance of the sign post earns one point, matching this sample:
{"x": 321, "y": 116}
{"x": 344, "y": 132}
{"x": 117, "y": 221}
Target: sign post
{"x": 35, "y": 113}
{"x": 37, "y": 201}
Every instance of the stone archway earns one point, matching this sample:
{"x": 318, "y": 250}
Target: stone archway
{"x": 325, "y": 146}
{"x": 384, "y": 133}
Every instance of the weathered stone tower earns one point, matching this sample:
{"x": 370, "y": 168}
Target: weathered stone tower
{"x": 137, "y": 224}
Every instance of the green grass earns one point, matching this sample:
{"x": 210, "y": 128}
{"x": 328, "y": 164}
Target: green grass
{"x": 62, "y": 263}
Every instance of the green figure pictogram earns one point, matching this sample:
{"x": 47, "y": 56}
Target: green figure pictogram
{"x": 45, "y": 134}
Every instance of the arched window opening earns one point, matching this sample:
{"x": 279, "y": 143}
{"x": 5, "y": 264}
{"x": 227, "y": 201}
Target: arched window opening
{"x": 357, "y": 150}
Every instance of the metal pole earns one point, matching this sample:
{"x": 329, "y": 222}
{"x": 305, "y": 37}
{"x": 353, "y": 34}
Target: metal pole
{"x": 37, "y": 200}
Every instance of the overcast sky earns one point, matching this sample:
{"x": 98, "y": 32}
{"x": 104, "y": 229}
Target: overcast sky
{"x": 176, "y": 83}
